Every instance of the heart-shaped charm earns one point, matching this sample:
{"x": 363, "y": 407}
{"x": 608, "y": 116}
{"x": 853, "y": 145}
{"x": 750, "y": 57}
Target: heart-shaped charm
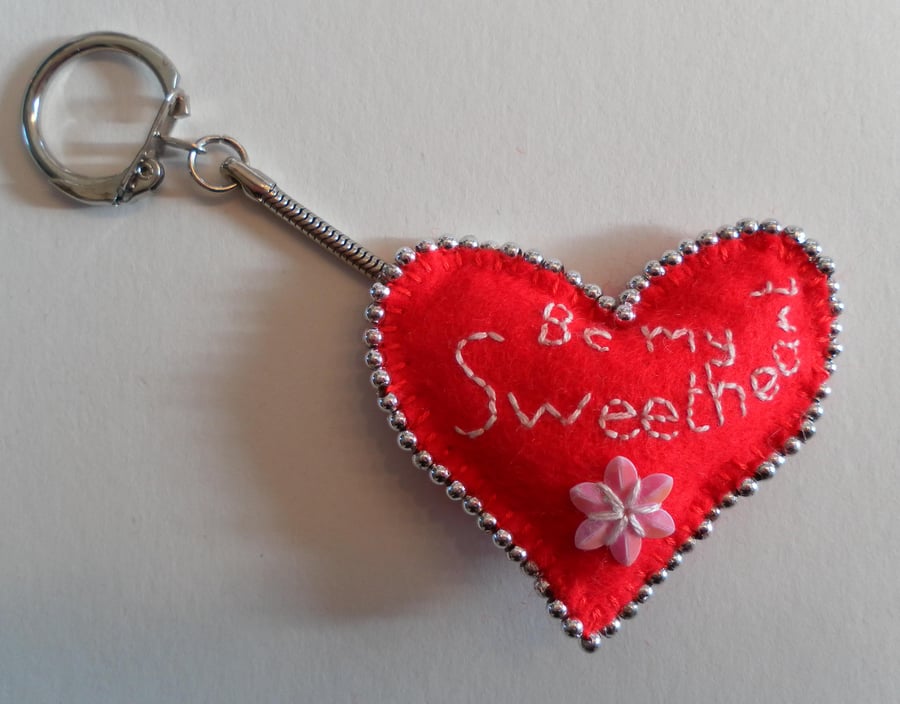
{"x": 596, "y": 438}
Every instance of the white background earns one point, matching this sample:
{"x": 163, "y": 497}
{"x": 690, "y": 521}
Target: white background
{"x": 199, "y": 500}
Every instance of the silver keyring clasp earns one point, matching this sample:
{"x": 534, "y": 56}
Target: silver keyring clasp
{"x": 145, "y": 172}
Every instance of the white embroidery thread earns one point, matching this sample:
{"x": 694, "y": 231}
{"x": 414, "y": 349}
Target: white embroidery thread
{"x": 694, "y": 390}
{"x": 647, "y": 417}
{"x": 783, "y": 368}
{"x": 487, "y": 388}
{"x": 562, "y": 324}
{"x": 727, "y": 347}
{"x": 718, "y": 390}
{"x": 783, "y": 320}
{"x": 599, "y": 332}
{"x": 766, "y": 391}
{"x": 605, "y": 416}
{"x": 671, "y": 334}
{"x": 770, "y": 290}
{"x": 550, "y": 409}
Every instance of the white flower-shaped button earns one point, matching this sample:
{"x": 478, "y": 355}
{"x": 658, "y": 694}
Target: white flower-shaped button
{"x": 622, "y": 510}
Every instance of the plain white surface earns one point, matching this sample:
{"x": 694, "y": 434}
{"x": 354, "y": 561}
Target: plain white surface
{"x": 198, "y": 498}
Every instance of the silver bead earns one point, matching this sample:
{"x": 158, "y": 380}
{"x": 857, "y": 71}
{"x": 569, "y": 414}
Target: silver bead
{"x": 833, "y": 286}
{"x": 592, "y": 291}
{"x": 766, "y": 470}
{"x": 611, "y": 628}
{"x": 373, "y": 337}
{"x": 574, "y": 278}
{"x": 707, "y": 239}
{"x": 777, "y": 459}
{"x": 792, "y": 446}
{"x": 390, "y": 272}
{"x": 823, "y": 392}
{"x": 472, "y": 505}
{"x": 573, "y": 628}
{"x": 625, "y": 312}
{"x": 773, "y": 227}
{"x": 704, "y": 530}
{"x": 405, "y": 256}
{"x": 629, "y": 611}
{"x": 426, "y": 246}
{"x": 557, "y": 609}
{"x": 532, "y": 256}
{"x": 389, "y": 402}
{"x": 675, "y": 561}
{"x": 836, "y": 328}
{"x": 439, "y": 474}
{"x": 689, "y": 247}
{"x": 644, "y": 594}
{"x": 517, "y": 553}
{"x": 374, "y": 313}
{"x": 748, "y": 487}
{"x": 607, "y": 302}
{"x": 590, "y": 643}
{"x": 491, "y": 245}
{"x": 468, "y": 242}
{"x": 397, "y": 420}
{"x": 830, "y": 366}
{"x": 380, "y": 379}
{"x": 639, "y": 282}
{"x": 795, "y": 233}
{"x": 487, "y": 522}
{"x": 456, "y": 490}
{"x": 511, "y": 249}
{"x": 807, "y": 430}
{"x": 748, "y": 226}
{"x": 448, "y": 242}
{"x": 727, "y": 232}
{"x": 374, "y": 360}
{"x": 502, "y": 539}
{"x": 658, "y": 577}
{"x": 407, "y": 441}
{"x": 531, "y": 568}
{"x": 553, "y": 265}
{"x": 671, "y": 258}
{"x": 729, "y": 500}
{"x": 837, "y": 306}
{"x": 687, "y": 546}
{"x": 379, "y": 291}
{"x": 815, "y": 412}
{"x": 423, "y": 459}
{"x": 812, "y": 248}
{"x": 714, "y": 514}
{"x": 834, "y": 349}
{"x": 826, "y": 265}
{"x": 542, "y": 587}
{"x": 654, "y": 268}
{"x": 629, "y": 295}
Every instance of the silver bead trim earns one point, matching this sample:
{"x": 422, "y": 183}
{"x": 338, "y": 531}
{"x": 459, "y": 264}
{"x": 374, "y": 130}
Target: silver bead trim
{"x": 404, "y": 256}
{"x": 623, "y": 308}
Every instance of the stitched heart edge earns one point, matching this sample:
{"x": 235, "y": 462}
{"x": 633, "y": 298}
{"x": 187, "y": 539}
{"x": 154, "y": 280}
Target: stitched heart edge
{"x": 624, "y": 306}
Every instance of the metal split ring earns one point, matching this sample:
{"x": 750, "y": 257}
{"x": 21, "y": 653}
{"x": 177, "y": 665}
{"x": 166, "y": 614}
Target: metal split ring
{"x": 199, "y": 147}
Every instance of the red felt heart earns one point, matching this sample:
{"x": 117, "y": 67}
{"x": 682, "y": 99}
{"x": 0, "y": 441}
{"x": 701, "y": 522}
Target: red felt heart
{"x": 515, "y": 381}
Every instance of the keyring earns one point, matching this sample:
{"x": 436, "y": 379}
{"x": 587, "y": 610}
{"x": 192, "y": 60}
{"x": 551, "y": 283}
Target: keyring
{"x": 510, "y": 380}
{"x": 145, "y": 172}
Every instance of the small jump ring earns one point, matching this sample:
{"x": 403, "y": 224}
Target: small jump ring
{"x": 200, "y": 147}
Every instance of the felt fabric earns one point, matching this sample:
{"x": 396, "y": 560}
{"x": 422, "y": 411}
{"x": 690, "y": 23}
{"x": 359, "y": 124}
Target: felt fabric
{"x": 725, "y": 356}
